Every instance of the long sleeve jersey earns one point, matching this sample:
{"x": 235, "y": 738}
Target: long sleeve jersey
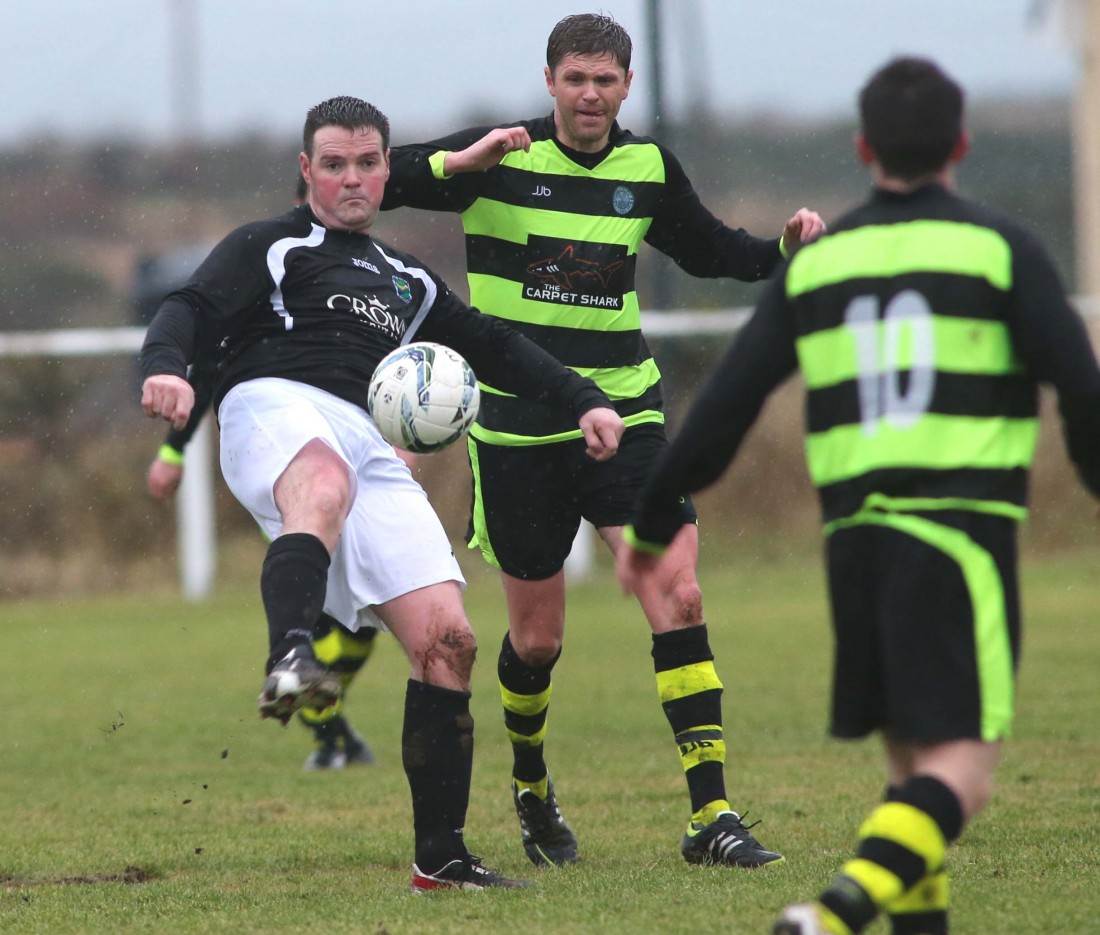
{"x": 552, "y": 239}
{"x": 922, "y": 325}
{"x": 290, "y": 298}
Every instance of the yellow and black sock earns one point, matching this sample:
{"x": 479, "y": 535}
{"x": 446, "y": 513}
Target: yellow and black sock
{"x": 691, "y": 696}
{"x": 902, "y": 842}
{"x": 525, "y": 695}
{"x": 921, "y": 910}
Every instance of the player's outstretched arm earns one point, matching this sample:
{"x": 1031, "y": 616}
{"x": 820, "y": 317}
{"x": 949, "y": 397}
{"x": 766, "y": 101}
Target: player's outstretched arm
{"x": 487, "y": 151}
{"x": 603, "y": 429}
{"x": 169, "y": 397}
{"x": 804, "y": 226}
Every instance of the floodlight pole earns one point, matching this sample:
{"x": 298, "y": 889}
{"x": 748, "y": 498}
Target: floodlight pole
{"x": 196, "y": 539}
{"x": 1086, "y": 151}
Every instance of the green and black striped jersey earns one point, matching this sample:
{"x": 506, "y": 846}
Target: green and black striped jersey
{"x": 552, "y": 238}
{"x": 922, "y": 325}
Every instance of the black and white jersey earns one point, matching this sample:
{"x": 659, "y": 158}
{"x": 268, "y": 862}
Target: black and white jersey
{"x": 291, "y": 298}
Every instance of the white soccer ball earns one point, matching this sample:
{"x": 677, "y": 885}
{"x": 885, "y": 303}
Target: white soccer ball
{"x": 423, "y": 397}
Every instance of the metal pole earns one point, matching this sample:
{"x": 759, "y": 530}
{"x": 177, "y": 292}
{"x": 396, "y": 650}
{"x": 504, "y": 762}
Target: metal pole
{"x": 195, "y": 529}
{"x": 661, "y": 129}
{"x": 1086, "y": 151}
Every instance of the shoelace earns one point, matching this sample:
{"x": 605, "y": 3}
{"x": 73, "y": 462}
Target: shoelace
{"x": 741, "y": 821}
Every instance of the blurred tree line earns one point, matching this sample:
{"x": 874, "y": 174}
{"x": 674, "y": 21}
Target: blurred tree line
{"x": 80, "y": 220}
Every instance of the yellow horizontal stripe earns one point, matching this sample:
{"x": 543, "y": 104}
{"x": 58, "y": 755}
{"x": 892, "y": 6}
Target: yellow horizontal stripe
{"x": 710, "y": 751}
{"x": 879, "y": 251}
{"x": 962, "y": 345}
{"x": 640, "y": 162}
{"x": 909, "y": 827}
{"x": 880, "y": 884}
{"x": 514, "y": 222}
{"x": 687, "y": 680}
{"x": 935, "y": 441}
{"x": 931, "y": 894}
{"x": 616, "y": 382}
{"x": 525, "y": 704}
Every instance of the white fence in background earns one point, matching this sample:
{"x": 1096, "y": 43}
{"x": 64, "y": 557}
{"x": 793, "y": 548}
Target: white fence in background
{"x": 195, "y": 500}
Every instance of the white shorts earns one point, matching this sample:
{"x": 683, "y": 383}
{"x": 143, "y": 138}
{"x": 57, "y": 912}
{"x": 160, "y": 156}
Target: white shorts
{"x": 392, "y": 542}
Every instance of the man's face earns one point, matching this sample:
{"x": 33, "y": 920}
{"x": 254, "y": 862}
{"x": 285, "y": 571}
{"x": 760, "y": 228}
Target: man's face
{"x": 588, "y": 91}
{"x": 347, "y": 176}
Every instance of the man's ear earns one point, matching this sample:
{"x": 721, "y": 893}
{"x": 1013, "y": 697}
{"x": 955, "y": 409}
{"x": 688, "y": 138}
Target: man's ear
{"x": 863, "y": 149}
{"x": 549, "y": 75}
{"x": 960, "y": 149}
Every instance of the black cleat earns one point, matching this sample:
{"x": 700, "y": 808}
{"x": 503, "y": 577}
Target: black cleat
{"x": 725, "y": 842}
{"x": 462, "y": 874}
{"x": 326, "y": 756}
{"x": 356, "y": 749}
{"x": 547, "y": 839}
{"x": 338, "y": 745}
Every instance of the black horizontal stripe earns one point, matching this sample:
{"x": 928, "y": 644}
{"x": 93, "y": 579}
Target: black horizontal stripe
{"x": 846, "y": 497}
{"x": 906, "y": 864}
{"x": 947, "y": 294}
{"x": 587, "y": 348}
{"x": 526, "y": 724}
{"x": 954, "y": 394}
{"x": 491, "y": 256}
{"x": 579, "y": 194}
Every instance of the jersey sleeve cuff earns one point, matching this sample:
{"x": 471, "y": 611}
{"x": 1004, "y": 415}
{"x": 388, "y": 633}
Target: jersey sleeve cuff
{"x": 435, "y": 162}
{"x": 783, "y": 251}
{"x": 169, "y": 455}
{"x": 630, "y": 537}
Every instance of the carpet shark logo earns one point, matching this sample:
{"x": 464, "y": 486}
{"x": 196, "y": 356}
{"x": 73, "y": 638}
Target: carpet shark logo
{"x": 571, "y": 272}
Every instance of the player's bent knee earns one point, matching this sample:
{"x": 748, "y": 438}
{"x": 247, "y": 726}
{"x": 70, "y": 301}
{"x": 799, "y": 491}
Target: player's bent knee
{"x": 448, "y": 656}
{"x": 538, "y": 653}
{"x": 687, "y": 602}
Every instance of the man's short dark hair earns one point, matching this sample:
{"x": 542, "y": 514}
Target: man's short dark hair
{"x": 588, "y": 34}
{"x": 911, "y": 115}
{"x": 351, "y": 113}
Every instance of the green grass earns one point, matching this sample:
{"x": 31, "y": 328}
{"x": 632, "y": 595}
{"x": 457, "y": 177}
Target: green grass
{"x": 141, "y": 792}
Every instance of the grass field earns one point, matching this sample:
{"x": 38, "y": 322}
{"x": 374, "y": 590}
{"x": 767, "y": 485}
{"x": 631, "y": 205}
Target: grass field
{"x": 141, "y": 793}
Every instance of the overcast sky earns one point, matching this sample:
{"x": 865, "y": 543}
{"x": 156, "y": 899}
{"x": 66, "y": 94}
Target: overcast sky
{"x": 86, "y": 69}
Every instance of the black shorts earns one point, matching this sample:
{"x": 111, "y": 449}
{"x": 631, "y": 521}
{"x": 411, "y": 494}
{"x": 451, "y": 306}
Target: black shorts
{"x": 529, "y": 500}
{"x": 927, "y": 623}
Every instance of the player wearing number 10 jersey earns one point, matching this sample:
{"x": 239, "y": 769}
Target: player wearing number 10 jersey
{"x": 922, "y": 325}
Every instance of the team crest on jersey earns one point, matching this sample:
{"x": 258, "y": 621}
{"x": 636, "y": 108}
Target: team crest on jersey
{"x": 404, "y": 290}
{"x": 622, "y": 200}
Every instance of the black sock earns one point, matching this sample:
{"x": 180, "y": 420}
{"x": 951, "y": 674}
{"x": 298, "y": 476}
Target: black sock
{"x": 292, "y": 585}
{"x": 437, "y": 751}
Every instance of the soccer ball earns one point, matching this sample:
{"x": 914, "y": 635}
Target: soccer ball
{"x": 423, "y": 397}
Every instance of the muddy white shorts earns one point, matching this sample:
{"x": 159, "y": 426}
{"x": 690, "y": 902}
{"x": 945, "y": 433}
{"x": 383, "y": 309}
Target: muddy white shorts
{"x": 392, "y": 543}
